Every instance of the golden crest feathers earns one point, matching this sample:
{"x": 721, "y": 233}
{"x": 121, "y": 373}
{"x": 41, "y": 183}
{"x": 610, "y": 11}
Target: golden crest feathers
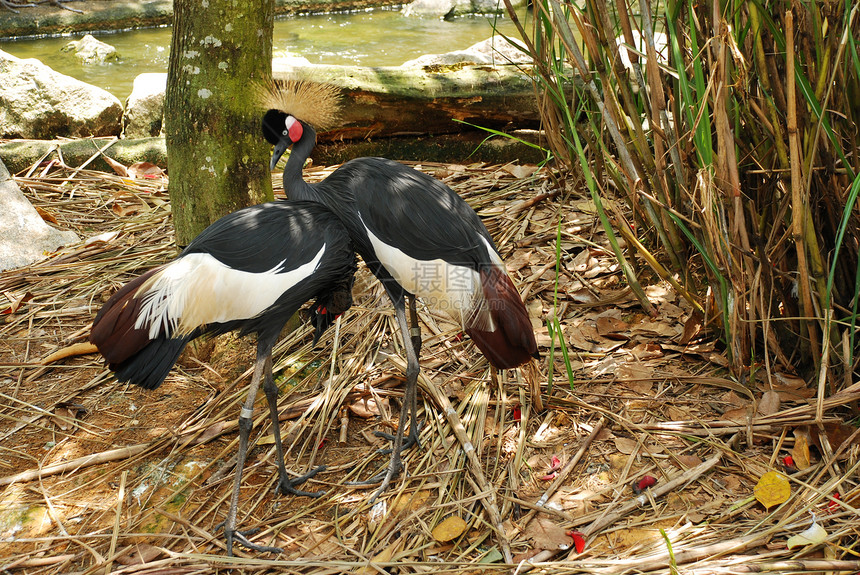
{"x": 316, "y": 103}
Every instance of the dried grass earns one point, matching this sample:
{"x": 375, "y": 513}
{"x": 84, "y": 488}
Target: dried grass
{"x": 641, "y": 404}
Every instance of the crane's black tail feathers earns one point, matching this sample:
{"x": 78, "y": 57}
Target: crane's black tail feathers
{"x": 113, "y": 330}
{"x": 149, "y": 367}
{"x": 512, "y": 343}
{"x": 128, "y": 350}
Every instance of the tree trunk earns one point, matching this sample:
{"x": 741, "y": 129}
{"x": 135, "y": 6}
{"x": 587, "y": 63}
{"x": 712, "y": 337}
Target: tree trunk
{"x": 217, "y": 157}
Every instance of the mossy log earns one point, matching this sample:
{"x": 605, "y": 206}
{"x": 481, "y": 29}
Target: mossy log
{"x": 411, "y": 101}
{"x": 20, "y": 155}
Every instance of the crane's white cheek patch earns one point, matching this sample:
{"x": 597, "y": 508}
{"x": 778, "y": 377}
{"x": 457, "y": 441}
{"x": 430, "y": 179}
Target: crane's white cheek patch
{"x": 197, "y": 289}
{"x": 453, "y": 289}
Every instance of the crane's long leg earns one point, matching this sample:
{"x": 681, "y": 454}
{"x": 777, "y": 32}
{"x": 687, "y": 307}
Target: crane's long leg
{"x": 415, "y": 333}
{"x": 409, "y": 401}
{"x": 245, "y": 424}
{"x": 412, "y": 407}
{"x": 286, "y": 485}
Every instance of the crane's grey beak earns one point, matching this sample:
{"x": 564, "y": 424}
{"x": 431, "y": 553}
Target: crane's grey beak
{"x": 279, "y": 150}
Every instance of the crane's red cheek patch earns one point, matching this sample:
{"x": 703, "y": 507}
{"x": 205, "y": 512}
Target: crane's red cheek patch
{"x": 295, "y": 130}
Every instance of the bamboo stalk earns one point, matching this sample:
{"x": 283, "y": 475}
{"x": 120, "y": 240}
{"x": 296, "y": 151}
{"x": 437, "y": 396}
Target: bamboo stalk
{"x": 798, "y": 201}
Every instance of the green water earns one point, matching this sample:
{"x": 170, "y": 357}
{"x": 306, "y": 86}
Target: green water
{"x": 377, "y": 37}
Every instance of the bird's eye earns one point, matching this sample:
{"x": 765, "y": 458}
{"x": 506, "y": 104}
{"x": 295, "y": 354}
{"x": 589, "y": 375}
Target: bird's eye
{"x": 285, "y": 133}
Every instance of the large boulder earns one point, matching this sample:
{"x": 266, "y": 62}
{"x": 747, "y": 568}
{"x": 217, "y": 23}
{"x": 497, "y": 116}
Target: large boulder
{"x": 37, "y": 102}
{"x": 453, "y": 8}
{"x": 25, "y": 238}
{"x": 493, "y": 51}
{"x": 91, "y": 51}
{"x": 144, "y": 108}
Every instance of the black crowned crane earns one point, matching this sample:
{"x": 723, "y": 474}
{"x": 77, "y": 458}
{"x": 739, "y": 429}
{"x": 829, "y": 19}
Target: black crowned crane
{"x": 249, "y": 271}
{"x": 415, "y": 234}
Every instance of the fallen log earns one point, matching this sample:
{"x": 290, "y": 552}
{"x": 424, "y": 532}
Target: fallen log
{"x": 413, "y": 101}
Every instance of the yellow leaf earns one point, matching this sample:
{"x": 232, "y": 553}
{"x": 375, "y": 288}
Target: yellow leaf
{"x": 772, "y": 489}
{"x": 449, "y": 528}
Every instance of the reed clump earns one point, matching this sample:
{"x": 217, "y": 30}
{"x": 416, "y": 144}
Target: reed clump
{"x": 730, "y": 129}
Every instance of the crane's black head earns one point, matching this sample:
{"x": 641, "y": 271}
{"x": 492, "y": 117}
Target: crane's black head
{"x": 282, "y": 131}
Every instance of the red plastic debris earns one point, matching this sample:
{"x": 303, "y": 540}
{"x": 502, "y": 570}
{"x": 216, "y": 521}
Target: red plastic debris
{"x": 578, "y": 540}
{"x": 644, "y": 483}
{"x": 788, "y": 462}
{"x": 833, "y": 505}
{"x": 518, "y": 413}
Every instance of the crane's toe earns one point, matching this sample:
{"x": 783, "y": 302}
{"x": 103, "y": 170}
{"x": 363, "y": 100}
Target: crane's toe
{"x": 231, "y": 535}
{"x": 288, "y": 486}
{"x": 410, "y": 440}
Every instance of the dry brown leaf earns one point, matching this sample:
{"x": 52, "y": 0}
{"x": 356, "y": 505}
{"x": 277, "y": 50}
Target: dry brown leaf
{"x": 610, "y": 326}
{"x": 632, "y": 373}
{"x": 576, "y": 500}
{"x": 46, "y": 215}
{"x": 116, "y": 166}
{"x": 449, "y": 528}
{"x": 367, "y": 408}
{"x": 693, "y": 328}
{"x": 144, "y": 170}
{"x": 139, "y": 554}
{"x": 519, "y": 171}
{"x": 733, "y": 483}
{"x": 738, "y": 415}
{"x": 789, "y": 380}
{"x": 837, "y": 434}
{"x": 16, "y": 300}
{"x": 625, "y": 445}
{"x": 412, "y": 502}
{"x": 646, "y": 351}
{"x": 800, "y": 451}
{"x": 656, "y": 328}
{"x": 689, "y": 461}
{"x": 676, "y": 413}
{"x": 525, "y": 556}
{"x": 769, "y": 403}
{"x": 123, "y": 210}
{"x": 581, "y": 335}
{"x": 383, "y": 556}
{"x": 65, "y": 413}
{"x": 546, "y": 534}
{"x": 660, "y": 293}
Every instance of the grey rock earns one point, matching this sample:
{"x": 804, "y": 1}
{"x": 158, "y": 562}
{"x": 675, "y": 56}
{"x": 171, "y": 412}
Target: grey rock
{"x": 25, "y": 238}
{"x": 37, "y": 102}
{"x": 144, "y": 108}
{"x": 89, "y": 50}
{"x": 453, "y": 8}
{"x": 495, "y": 50}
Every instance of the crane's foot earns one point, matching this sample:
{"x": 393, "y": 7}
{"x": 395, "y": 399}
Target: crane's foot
{"x": 410, "y": 440}
{"x": 383, "y": 478}
{"x": 288, "y": 486}
{"x": 231, "y": 535}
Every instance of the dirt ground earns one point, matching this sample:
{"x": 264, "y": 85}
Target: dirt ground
{"x": 99, "y": 477}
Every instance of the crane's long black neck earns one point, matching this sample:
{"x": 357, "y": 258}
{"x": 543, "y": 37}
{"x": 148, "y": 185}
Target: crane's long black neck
{"x": 295, "y": 186}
